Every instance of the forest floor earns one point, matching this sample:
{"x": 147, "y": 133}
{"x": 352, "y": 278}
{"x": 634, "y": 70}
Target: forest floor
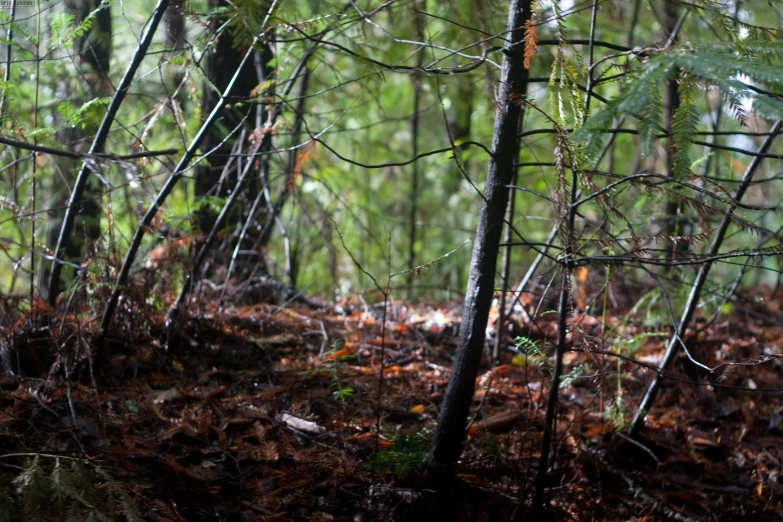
{"x": 258, "y": 413}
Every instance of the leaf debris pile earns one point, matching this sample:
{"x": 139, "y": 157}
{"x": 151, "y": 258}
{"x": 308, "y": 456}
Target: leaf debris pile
{"x": 269, "y": 413}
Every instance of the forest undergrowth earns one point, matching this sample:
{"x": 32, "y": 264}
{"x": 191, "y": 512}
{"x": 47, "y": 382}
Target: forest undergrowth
{"x": 278, "y": 412}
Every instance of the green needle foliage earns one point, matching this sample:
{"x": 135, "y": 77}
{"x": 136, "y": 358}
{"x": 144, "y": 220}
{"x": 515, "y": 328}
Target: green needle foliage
{"x": 62, "y": 489}
{"x": 407, "y": 453}
{"x": 710, "y": 66}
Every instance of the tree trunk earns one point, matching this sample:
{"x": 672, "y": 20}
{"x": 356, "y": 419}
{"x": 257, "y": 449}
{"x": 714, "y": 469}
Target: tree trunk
{"x": 213, "y": 178}
{"x": 94, "y": 48}
{"x": 673, "y": 348}
{"x": 671, "y": 100}
{"x": 415, "y": 174}
{"x": 220, "y": 65}
{"x": 447, "y": 440}
{"x": 175, "y": 43}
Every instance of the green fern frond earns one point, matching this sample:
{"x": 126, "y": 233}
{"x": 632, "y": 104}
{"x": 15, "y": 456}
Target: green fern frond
{"x": 717, "y": 66}
{"x": 684, "y": 126}
{"x": 251, "y": 18}
{"x": 75, "y": 493}
{"x": 713, "y": 62}
{"x": 111, "y": 487}
{"x": 19, "y": 29}
{"x": 34, "y": 491}
{"x": 62, "y": 485}
{"x": 716, "y": 12}
{"x": 650, "y": 117}
{"x": 129, "y": 508}
{"x": 7, "y": 508}
{"x": 407, "y": 453}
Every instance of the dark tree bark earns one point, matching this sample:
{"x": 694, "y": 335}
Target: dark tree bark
{"x": 213, "y": 178}
{"x": 219, "y": 66}
{"x": 175, "y": 25}
{"x": 146, "y": 220}
{"x": 76, "y": 203}
{"x": 415, "y": 127}
{"x": 94, "y": 47}
{"x": 447, "y": 440}
{"x": 94, "y": 57}
{"x": 174, "y": 20}
{"x": 671, "y": 100}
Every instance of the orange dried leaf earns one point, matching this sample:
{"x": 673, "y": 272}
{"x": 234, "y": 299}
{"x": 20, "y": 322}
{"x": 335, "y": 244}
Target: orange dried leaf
{"x": 531, "y": 42}
{"x": 417, "y": 410}
{"x": 342, "y": 352}
{"x": 385, "y": 444}
{"x": 302, "y": 156}
{"x": 393, "y": 370}
{"x": 474, "y": 431}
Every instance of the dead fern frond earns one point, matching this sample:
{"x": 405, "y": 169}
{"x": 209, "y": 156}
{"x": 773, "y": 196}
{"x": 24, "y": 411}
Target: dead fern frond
{"x": 531, "y": 42}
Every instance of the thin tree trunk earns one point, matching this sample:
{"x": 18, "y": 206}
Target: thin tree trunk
{"x": 693, "y": 298}
{"x": 221, "y": 65}
{"x": 412, "y": 227}
{"x": 174, "y": 20}
{"x": 415, "y": 121}
{"x": 175, "y": 25}
{"x": 176, "y": 175}
{"x": 94, "y": 57}
{"x": 671, "y": 101}
{"x": 447, "y": 439}
{"x": 505, "y": 271}
{"x": 97, "y": 146}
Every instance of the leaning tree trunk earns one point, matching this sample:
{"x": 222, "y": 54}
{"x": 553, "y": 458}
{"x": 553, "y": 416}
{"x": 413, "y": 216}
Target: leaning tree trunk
{"x": 673, "y": 348}
{"x": 75, "y": 204}
{"x": 94, "y": 49}
{"x": 447, "y": 440}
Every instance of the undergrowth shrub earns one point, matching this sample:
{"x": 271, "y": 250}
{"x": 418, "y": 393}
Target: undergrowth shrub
{"x": 54, "y": 488}
{"x": 406, "y": 453}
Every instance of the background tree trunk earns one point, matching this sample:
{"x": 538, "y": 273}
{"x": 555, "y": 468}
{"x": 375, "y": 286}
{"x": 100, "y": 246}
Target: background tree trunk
{"x": 447, "y": 440}
{"x": 671, "y": 101}
{"x": 219, "y": 66}
{"x": 93, "y": 49}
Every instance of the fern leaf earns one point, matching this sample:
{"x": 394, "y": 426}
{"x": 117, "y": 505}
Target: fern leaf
{"x": 34, "y": 491}
{"x": 684, "y": 125}
{"x": 7, "y": 509}
{"x": 129, "y": 508}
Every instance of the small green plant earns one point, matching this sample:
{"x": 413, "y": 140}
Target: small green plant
{"x": 617, "y": 411}
{"x": 133, "y": 406}
{"x": 339, "y": 387}
{"x": 655, "y": 309}
{"x": 56, "y": 488}
{"x": 630, "y": 346}
{"x": 528, "y": 346}
{"x": 527, "y": 352}
{"x": 573, "y": 376}
{"x": 407, "y": 452}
